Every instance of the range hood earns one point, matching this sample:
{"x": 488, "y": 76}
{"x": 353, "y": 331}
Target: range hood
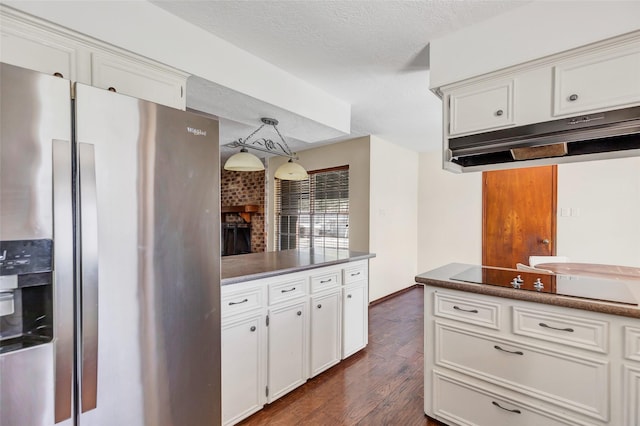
{"x": 602, "y": 135}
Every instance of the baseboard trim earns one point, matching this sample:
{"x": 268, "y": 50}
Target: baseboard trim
{"x": 392, "y": 295}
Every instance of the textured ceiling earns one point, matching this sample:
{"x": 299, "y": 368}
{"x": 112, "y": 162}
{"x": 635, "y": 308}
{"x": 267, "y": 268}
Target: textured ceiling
{"x": 372, "y": 54}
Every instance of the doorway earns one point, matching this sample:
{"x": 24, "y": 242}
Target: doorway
{"x": 518, "y": 215}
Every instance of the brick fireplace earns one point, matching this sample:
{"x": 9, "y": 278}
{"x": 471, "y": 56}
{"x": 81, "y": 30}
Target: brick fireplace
{"x": 243, "y": 194}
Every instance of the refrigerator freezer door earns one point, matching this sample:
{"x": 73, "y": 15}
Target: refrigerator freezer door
{"x": 35, "y": 117}
{"x": 158, "y": 338}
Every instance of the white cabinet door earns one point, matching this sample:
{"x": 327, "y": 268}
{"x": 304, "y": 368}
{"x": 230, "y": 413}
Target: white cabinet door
{"x": 631, "y": 394}
{"x": 598, "y": 81}
{"x": 481, "y": 107}
{"x": 36, "y": 49}
{"x": 140, "y": 80}
{"x": 243, "y": 372}
{"x": 354, "y": 318}
{"x": 288, "y": 348}
{"x": 325, "y": 331}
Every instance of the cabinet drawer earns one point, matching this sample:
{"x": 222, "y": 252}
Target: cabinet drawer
{"x": 358, "y": 272}
{"x": 243, "y": 301}
{"x": 467, "y": 309}
{"x": 287, "y": 290}
{"x": 568, "y": 330}
{"x": 571, "y": 381}
{"x": 325, "y": 281}
{"x": 632, "y": 343}
{"x": 462, "y": 403}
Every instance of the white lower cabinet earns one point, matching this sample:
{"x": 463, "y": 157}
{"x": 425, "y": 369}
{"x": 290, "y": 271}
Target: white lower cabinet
{"x": 524, "y": 363}
{"x": 243, "y": 372}
{"x": 326, "y": 335}
{"x": 288, "y": 348}
{"x": 354, "y": 318}
{"x": 277, "y": 332}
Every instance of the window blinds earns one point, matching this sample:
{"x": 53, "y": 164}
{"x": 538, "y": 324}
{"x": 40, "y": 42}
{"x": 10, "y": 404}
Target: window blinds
{"x": 313, "y": 212}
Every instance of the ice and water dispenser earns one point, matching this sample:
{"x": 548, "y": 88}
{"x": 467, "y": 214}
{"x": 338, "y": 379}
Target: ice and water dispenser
{"x": 26, "y": 293}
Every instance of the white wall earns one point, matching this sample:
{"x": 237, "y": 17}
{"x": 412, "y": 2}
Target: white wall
{"x": 529, "y": 32}
{"x": 605, "y": 198}
{"x": 354, "y": 153}
{"x": 393, "y": 219}
{"x": 449, "y": 215}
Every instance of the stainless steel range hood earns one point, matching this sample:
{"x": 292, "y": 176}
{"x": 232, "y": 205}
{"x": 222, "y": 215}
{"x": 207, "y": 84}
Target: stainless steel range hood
{"x": 610, "y": 134}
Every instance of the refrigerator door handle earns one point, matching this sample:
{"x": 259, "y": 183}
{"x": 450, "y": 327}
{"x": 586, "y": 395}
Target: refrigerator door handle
{"x": 89, "y": 275}
{"x": 63, "y": 278}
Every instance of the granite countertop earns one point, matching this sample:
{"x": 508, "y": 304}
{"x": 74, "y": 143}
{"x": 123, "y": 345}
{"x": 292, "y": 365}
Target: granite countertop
{"x": 441, "y": 277}
{"x": 245, "y": 267}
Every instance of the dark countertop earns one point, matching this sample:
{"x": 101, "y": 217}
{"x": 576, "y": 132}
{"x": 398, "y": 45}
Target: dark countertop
{"x": 253, "y": 266}
{"x": 441, "y": 277}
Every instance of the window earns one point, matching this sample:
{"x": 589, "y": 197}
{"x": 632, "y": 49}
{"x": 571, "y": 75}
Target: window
{"x": 313, "y": 212}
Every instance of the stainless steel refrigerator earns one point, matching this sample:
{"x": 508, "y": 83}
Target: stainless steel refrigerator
{"x": 109, "y": 258}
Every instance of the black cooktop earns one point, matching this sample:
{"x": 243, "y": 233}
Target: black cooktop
{"x": 618, "y": 291}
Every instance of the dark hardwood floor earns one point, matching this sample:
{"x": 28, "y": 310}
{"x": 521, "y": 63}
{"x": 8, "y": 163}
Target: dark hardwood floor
{"x": 380, "y": 385}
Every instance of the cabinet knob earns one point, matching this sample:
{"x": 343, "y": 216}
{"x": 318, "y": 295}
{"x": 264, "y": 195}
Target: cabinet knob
{"x": 319, "y": 306}
{"x": 253, "y": 328}
{"x": 299, "y": 313}
{"x": 348, "y": 296}
{"x": 545, "y": 241}
{"x": 58, "y": 74}
{"x": 112, "y": 89}
{"x": 573, "y": 97}
{"x": 499, "y": 112}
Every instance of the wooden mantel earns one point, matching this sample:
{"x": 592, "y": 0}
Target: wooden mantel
{"x": 244, "y": 211}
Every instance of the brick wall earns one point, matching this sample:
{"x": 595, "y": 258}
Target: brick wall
{"x": 242, "y": 188}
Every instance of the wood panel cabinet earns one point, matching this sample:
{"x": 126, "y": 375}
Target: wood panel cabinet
{"x": 38, "y": 45}
{"x": 527, "y": 363}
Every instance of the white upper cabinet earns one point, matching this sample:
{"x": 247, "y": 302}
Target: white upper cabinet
{"x": 599, "y": 81}
{"x": 41, "y": 46}
{"x": 480, "y": 107}
{"x": 595, "y": 78}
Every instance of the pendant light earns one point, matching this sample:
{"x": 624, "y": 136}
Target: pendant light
{"x": 291, "y": 171}
{"x": 244, "y": 161}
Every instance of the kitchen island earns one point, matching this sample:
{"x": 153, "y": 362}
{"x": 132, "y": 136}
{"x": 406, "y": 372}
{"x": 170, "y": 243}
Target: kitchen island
{"x": 287, "y": 316}
{"x": 245, "y": 267}
{"x": 530, "y": 348}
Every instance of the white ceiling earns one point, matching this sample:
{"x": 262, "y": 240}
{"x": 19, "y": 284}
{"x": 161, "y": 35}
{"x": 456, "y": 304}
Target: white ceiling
{"x": 372, "y": 54}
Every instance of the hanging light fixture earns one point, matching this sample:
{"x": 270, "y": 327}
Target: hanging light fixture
{"x": 242, "y": 162}
{"x": 291, "y": 171}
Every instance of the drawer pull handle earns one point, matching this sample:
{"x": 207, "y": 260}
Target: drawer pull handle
{"x": 355, "y": 274}
{"x": 511, "y": 352}
{"x": 570, "y": 330}
{"x": 505, "y": 409}
{"x": 325, "y": 281}
{"x": 237, "y": 303}
{"x": 253, "y": 328}
{"x": 458, "y": 308}
{"x": 287, "y": 291}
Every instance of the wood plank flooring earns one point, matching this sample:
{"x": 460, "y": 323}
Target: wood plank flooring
{"x": 380, "y": 385}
